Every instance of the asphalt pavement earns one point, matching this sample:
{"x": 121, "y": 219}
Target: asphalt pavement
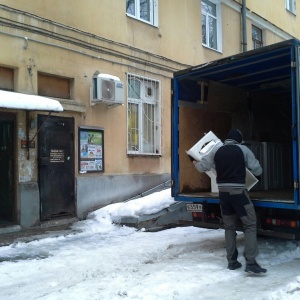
{"x": 15, "y": 234}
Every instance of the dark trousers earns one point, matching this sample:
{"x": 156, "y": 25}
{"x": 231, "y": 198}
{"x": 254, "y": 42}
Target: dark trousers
{"x": 235, "y": 203}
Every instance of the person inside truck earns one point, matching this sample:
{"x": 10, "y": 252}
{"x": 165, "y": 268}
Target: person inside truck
{"x": 230, "y": 162}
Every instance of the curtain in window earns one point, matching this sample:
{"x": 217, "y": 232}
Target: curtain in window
{"x": 130, "y": 7}
{"x": 133, "y": 127}
{"x": 148, "y": 128}
{"x": 143, "y": 115}
{"x": 145, "y": 10}
{"x": 209, "y": 24}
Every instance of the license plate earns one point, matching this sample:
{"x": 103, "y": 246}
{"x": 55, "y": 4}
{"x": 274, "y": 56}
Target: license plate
{"x": 194, "y": 207}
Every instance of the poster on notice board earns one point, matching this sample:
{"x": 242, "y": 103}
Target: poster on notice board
{"x": 91, "y": 145}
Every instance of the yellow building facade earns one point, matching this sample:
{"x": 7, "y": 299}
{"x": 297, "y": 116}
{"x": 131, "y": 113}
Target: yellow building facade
{"x": 107, "y": 67}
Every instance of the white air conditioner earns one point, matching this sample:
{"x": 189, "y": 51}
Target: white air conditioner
{"x": 108, "y": 89}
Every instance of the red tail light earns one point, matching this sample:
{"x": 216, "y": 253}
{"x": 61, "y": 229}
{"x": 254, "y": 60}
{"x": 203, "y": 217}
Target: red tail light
{"x": 197, "y": 215}
{"x": 282, "y": 222}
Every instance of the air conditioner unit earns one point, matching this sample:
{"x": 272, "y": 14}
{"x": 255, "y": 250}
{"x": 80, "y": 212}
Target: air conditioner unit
{"x": 108, "y": 89}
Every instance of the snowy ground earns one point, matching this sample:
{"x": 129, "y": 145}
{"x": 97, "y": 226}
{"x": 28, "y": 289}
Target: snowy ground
{"x": 100, "y": 260}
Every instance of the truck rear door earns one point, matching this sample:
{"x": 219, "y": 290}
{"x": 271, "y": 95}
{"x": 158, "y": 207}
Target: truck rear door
{"x": 296, "y": 127}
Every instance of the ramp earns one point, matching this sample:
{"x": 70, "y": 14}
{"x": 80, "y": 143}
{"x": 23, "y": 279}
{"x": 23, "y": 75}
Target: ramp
{"x": 167, "y": 218}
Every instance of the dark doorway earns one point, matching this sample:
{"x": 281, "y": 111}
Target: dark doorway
{"x": 56, "y": 166}
{"x": 7, "y": 207}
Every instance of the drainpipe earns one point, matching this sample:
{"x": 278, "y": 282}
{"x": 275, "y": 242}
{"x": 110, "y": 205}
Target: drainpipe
{"x": 244, "y": 26}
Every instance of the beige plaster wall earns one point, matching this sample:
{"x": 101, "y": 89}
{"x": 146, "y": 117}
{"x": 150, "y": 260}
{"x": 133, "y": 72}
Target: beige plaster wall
{"x": 178, "y": 36}
{"x": 175, "y": 44}
{"x": 276, "y": 13}
{"x": 53, "y": 60}
{"x": 108, "y": 19}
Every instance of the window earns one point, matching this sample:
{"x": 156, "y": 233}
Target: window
{"x": 54, "y": 86}
{"x": 144, "y": 10}
{"x": 291, "y": 6}
{"x": 6, "y": 79}
{"x": 143, "y": 116}
{"x": 211, "y": 24}
{"x": 257, "y": 41}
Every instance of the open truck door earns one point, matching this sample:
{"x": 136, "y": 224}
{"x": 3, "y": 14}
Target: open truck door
{"x": 258, "y": 92}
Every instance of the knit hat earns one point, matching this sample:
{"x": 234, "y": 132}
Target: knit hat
{"x": 236, "y": 135}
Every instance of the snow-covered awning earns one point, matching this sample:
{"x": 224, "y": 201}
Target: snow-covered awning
{"x": 14, "y": 100}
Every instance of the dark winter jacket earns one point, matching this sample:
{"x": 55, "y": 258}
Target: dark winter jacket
{"x": 230, "y": 162}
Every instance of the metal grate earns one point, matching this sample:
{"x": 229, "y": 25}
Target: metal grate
{"x": 143, "y": 115}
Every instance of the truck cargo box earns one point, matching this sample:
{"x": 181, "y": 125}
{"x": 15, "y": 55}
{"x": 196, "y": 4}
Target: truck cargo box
{"x": 256, "y": 92}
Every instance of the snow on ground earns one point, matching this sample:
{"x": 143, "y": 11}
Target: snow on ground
{"x": 100, "y": 260}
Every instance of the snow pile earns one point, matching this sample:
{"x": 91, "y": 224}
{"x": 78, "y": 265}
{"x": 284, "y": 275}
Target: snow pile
{"x": 100, "y": 260}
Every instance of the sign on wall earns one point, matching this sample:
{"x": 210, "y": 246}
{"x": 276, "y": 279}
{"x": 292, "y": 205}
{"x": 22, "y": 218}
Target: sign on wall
{"x": 91, "y": 145}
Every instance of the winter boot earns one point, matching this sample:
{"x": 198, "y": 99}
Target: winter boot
{"x": 255, "y": 268}
{"x": 234, "y": 265}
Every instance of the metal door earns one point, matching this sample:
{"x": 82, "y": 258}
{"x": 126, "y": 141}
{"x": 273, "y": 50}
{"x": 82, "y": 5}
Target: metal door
{"x": 7, "y": 169}
{"x": 56, "y": 166}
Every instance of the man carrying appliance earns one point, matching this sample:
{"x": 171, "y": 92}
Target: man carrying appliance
{"x": 230, "y": 162}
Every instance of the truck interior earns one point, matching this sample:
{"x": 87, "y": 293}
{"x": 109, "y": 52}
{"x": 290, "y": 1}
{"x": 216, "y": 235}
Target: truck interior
{"x": 255, "y": 92}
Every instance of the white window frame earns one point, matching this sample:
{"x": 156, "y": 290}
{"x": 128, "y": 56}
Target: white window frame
{"x": 290, "y": 5}
{"x": 218, "y": 18}
{"x": 153, "y": 6}
{"x": 148, "y": 95}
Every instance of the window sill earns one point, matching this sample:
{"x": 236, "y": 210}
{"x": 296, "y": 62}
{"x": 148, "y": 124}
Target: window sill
{"x": 143, "y": 155}
{"x": 72, "y": 105}
{"x": 141, "y": 20}
{"x": 292, "y": 12}
{"x": 219, "y": 51}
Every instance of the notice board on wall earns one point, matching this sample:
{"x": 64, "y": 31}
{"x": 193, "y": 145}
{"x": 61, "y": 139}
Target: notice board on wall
{"x": 91, "y": 145}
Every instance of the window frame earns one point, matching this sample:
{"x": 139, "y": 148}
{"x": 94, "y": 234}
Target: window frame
{"x": 139, "y": 102}
{"x": 218, "y": 18}
{"x": 153, "y": 6}
{"x": 55, "y": 86}
{"x": 290, "y": 6}
{"x": 257, "y": 41}
{"x": 7, "y": 78}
